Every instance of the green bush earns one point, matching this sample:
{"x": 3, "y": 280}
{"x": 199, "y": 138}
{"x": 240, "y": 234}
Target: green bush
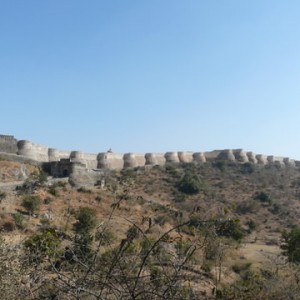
{"x": 245, "y": 207}
{"x": 247, "y": 168}
{"x": 2, "y": 195}
{"x": 31, "y": 204}
{"x": 19, "y": 220}
{"x": 291, "y": 245}
{"x": 86, "y": 220}
{"x": 53, "y": 191}
{"x": 42, "y": 244}
{"x": 221, "y": 165}
{"x": 263, "y": 197}
{"x": 251, "y": 225}
{"x": 230, "y": 228}
{"x": 241, "y": 267}
{"x": 190, "y": 184}
{"x": 105, "y": 236}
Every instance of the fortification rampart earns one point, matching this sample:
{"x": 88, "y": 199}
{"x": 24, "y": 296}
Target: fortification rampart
{"x": 8, "y": 144}
{"x": 116, "y": 161}
{"x": 57, "y": 155}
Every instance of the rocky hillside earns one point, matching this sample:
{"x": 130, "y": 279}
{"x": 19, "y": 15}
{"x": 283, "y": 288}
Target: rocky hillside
{"x": 175, "y": 232}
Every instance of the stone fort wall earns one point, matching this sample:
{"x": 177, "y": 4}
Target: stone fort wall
{"x": 117, "y": 161}
{"x": 8, "y": 144}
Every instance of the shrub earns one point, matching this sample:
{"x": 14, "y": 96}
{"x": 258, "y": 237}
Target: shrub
{"x": 207, "y": 266}
{"x": 8, "y": 226}
{"x": 161, "y": 220}
{"x": 53, "y": 191}
{"x": 41, "y": 244}
{"x": 86, "y": 220}
{"x": 251, "y": 225}
{"x": 247, "y": 168}
{"x": 221, "y": 165}
{"x": 19, "y": 220}
{"x": 31, "y": 204}
{"x": 231, "y": 229}
{"x": 190, "y": 184}
{"x": 132, "y": 233}
{"x": 247, "y": 207}
{"x": 2, "y": 195}
{"x": 61, "y": 184}
{"x": 276, "y": 208}
{"x": 40, "y": 177}
{"x": 179, "y": 197}
{"x": 105, "y": 236}
{"x": 263, "y": 197}
{"x": 48, "y": 200}
{"x": 241, "y": 267}
{"x": 182, "y": 247}
{"x": 291, "y": 245}
{"x": 84, "y": 190}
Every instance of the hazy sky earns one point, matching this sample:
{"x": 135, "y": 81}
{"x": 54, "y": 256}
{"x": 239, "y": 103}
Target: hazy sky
{"x": 155, "y": 75}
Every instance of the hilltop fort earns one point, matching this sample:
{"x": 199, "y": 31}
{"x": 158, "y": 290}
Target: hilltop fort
{"x": 88, "y": 167}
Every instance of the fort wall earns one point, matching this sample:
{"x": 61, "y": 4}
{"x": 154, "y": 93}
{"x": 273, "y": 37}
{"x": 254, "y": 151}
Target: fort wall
{"x": 155, "y": 159}
{"x": 132, "y": 160}
{"x": 56, "y": 155}
{"x": 33, "y": 151}
{"x": 8, "y": 144}
{"x": 112, "y": 161}
{"x": 115, "y": 161}
{"x": 89, "y": 160}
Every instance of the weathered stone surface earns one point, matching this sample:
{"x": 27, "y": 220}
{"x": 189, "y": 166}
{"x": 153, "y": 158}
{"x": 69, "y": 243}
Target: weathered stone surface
{"x": 240, "y": 155}
{"x": 212, "y": 155}
{"x": 289, "y": 162}
{"x": 81, "y": 176}
{"x": 155, "y": 159}
{"x": 57, "y": 155}
{"x": 132, "y": 160}
{"x": 252, "y": 157}
{"x": 226, "y": 155}
{"x": 8, "y": 144}
{"x": 199, "y": 157}
{"x": 279, "y": 160}
{"x": 261, "y": 159}
{"x": 172, "y": 157}
{"x": 33, "y": 151}
{"x": 90, "y": 160}
{"x": 111, "y": 161}
{"x": 61, "y": 163}
{"x": 185, "y": 157}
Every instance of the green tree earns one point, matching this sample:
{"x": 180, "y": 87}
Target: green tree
{"x": 291, "y": 245}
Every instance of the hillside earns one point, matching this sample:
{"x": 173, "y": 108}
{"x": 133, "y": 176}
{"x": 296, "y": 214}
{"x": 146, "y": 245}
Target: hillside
{"x": 181, "y": 231}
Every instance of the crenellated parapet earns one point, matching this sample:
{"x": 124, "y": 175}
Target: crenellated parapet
{"x": 116, "y": 161}
{"x": 155, "y": 159}
{"x": 111, "y": 161}
{"x": 8, "y": 144}
{"x": 89, "y": 160}
{"x": 57, "y": 155}
{"x": 131, "y": 160}
{"x": 33, "y": 151}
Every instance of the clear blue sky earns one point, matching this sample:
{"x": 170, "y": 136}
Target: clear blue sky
{"x": 141, "y": 76}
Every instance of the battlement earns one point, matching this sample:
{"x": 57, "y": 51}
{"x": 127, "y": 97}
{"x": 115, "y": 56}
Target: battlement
{"x": 8, "y": 144}
{"x": 117, "y": 161}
